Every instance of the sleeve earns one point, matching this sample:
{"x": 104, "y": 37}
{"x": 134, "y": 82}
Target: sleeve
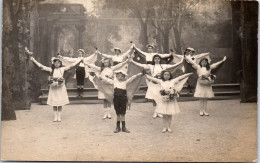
{"x": 173, "y": 66}
{"x": 216, "y": 65}
{"x": 68, "y": 59}
{"x": 106, "y": 55}
{"x": 180, "y": 81}
{"x": 190, "y": 61}
{"x": 145, "y": 66}
{"x": 202, "y": 55}
{"x": 132, "y": 78}
{"x": 118, "y": 66}
{"x": 165, "y": 55}
{"x": 153, "y": 79}
{"x": 106, "y": 80}
{"x": 45, "y": 68}
{"x": 94, "y": 67}
{"x": 73, "y": 65}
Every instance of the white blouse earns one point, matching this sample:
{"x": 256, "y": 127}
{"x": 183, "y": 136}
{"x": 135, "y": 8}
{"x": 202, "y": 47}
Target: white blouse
{"x": 203, "y": 71}
{"x": 107, "y": 72}
{"x": 157, "y": 68}
{"x": 120, "y": 84}
{"x": 58, "y": 72}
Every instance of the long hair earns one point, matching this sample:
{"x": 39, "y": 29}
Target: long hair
{"x": 162, "y": 75}
{"x": 153, "y": 63}
{"x": 207, "y": 65}
{"x": 156, "y": 55}
{"x": 103, "y": 66}
{"x": 53, "y": 66}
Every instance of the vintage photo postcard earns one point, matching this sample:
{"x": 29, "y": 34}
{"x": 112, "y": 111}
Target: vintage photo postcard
{"x": 129, "y": 80}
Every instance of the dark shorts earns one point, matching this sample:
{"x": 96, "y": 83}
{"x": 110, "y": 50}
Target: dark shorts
{"x": 80, "y": 75}
{"x": 120, "y": 101}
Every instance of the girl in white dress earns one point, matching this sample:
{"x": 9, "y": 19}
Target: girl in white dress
{"x": 57, "y": 96}
{"x": 166, "y": 101}
{"x": 106, "y": 71}
{"x": 155, "y": 68}
{"x": 203, "y": 89}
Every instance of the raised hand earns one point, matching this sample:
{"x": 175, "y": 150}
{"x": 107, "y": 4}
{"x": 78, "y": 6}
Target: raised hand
{"x": 97, "y": 52}
{"x": 92, "y": 73}
{"x": 225, "y": 58}
{"x": 28, "y": 52}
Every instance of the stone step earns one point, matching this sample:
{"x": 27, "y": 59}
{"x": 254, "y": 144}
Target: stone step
{"x": 74, "y": 99}
{"x": 93, "y": 91}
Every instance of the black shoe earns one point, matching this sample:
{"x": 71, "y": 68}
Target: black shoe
{"x": 117, "y": 130}
{"x": 125, "y": 130}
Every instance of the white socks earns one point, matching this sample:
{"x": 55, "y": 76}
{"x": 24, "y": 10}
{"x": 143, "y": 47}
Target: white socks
{"x": 55, "y": 116}
{"x": 107, "y": 113}
{"x": 59, "y": 116}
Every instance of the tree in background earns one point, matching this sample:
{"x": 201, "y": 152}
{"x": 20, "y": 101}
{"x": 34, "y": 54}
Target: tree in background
{"x": 139, "y": 9}
{"x": 164, "y": 16}
{"x": 16, "y": 75}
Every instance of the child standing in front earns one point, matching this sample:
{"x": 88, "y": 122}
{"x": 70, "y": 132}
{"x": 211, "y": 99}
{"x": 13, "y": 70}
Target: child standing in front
{"x": 106, "y": 71}
{"x": 166, "y": 102}
{"x": 57, "y": 96}
{"x": 203, "y": 89}
{"x": 120, "y": 96}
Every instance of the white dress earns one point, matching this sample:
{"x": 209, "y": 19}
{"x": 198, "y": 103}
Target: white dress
{"x": 58, "y": 95}
{"x": 203, "y": 90}
{"x": 170, "y": 107}
{"x": 154, "y": 88}
{"x": 106, "y": 72}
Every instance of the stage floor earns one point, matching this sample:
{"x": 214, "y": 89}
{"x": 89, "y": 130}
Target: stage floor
{"x": 228, "y": 134}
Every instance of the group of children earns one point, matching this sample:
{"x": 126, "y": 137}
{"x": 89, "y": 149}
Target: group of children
{"x": 163, "y": 89}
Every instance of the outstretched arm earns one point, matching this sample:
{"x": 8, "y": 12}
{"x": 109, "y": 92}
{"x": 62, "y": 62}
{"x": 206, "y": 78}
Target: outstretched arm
{"x": 74, "y": 64}
{"x": 105, "y": 79}
{"x": 178, "y": 56}
{"x": 105, "y": 55}
{"x": 45, "y": 68}
{"x": 93, "y": 66}
{"x": 128, "y": 52}
{"x": 145, "y": 66}
{"x": 132, "y": 78}
{"x": 118, "y": 66}
{"x": 165, "y": 55}
{"x": 202, "y": 55}
{"x": 68, "y": 59}
{"x": 153, "y": 79}
{"x": 176, "y": 80}
{"x": 215, "y": 65}
{"x": 140, "y": 51}
{"x": 175, "y": 65}
{"x": 194, "y": 64}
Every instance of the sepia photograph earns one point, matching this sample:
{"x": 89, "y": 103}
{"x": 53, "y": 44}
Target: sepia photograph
{"x": 129, "y": 80}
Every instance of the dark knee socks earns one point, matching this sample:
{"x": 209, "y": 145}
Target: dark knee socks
{"x": 123, "y": 124}
{"x": 118, "y": 124}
